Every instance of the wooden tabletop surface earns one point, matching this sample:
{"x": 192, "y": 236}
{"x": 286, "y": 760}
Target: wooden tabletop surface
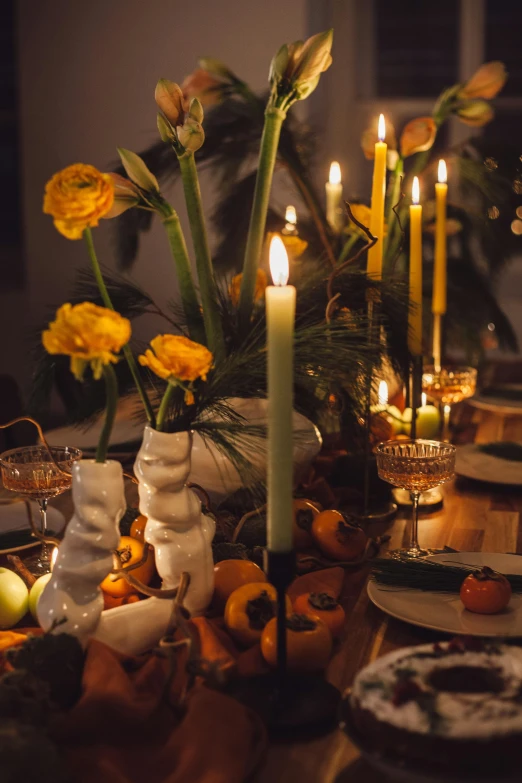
{"x": 475, "y": 517}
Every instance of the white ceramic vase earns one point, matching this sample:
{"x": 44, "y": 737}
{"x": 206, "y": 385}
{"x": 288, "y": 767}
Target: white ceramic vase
{"x": 177, "y": 529}
{"x": 72, "y": 600}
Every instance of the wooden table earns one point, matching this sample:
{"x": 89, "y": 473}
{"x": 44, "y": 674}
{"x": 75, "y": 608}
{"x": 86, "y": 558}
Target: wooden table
{"x": 474, "y": 518}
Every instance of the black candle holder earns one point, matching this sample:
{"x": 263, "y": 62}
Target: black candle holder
{"x": 294, "y": 706}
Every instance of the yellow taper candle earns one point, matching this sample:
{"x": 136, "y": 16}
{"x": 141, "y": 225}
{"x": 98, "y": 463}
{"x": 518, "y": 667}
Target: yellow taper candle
{"x": 280, "y": 316}
{"x": 415, "y": 312}
{"x": 438, "y": 304}
{"x": 377, "y": 211}
{"x": 334, "y": 196}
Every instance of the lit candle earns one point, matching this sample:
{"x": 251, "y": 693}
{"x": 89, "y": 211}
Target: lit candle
{"x": 280, "y": 314}
{"x": 291, "y": 221}
{"x": 438, "y": 304}
{"x": 428, "y": 420}
{"x": 334, "y": 195}
{"x": 389, "y": 412}
{"x": 415, "y": 311}
{"x": 377, "y": 210}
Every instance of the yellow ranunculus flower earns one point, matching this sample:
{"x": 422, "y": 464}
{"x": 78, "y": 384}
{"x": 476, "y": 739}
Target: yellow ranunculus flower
{"x": 77, "y": 197}
{"x": 88, "y": 334}
{"x": 259, "y": 291}
{"x": 176, "y": 358}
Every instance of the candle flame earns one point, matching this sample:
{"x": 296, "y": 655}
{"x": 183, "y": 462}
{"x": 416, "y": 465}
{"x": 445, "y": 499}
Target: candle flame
{"x": 291, "y": 215}
{"x": 415, "y": 191}
{"x": 383, "y": 393}
{"x": 424, "y": 399}
{"x": 443, "y": 171}
{"x": 335, "y": 173}
{"x": 447, "y": 410}
{"x": 381, "y": 128}
{"x": 54, "y": 555}
{"x": 278, "y": 261}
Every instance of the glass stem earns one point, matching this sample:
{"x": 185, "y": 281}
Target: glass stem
{"x": 43, "y": 528}
{"x": 415, "y": 496}
{"x": 445, "y": 413}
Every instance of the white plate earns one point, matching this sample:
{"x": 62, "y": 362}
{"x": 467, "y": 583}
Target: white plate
{"x": 473, "y": 463}
{"x": 87, "y": 439}
{"x": 499, "y": 404}
{"x": 445, "y": 611}
{"x": 15, "y": 533}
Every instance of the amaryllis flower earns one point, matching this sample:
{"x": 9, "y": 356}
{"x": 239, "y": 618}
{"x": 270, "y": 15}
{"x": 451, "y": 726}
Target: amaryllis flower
{"x": 486, "y": 82}
{"x": 176, "y": 124}
{"x": 202, "y": 85}
{"x": 297, "y": 67}
{"x": 418, "y": 136}
{"x": 475, "y": 113}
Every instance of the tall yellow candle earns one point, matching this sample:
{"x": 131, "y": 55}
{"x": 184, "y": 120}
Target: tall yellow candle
{"x": 438, "y": 304}
{"x": 334, "y": 195}
{"x": 377, "y": 209}
{"x": 280, "y": 316}
{"x": 415, "y": 312}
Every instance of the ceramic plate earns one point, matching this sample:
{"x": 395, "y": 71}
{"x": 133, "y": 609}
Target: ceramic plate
{"x": 444, "y": 611}
{"x": 124, "y": 432}
{"x": 394, "y": 769}
{"x": 503, "y": 398}
{"x": 472, "y": 462}
{"x": 15, "y": 533}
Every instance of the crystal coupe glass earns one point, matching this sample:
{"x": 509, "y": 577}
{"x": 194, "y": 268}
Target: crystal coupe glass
{"x": 415, "y": 465}
{"x": 448, "y": 385}
{"x": 39, "y": 473}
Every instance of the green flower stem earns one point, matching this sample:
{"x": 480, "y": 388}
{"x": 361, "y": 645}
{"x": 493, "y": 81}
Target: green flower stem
{"x": 87, "y": 234}
{"x": 348, "y": 247}
{"x": 111, "y": 386}
{"x": 391, "y": 220}
{"x": 163, "y": 408}
{"x": 207, "y": 283}
{"x": 267, "y": 157}
{"x": 187, "y": 288}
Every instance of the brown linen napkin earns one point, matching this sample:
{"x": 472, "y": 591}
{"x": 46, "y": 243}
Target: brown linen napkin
{"x": 124, "y": 729}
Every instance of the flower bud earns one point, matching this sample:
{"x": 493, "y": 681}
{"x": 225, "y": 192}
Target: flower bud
{"x": 278, "y": 65}
{"x": 191, "y": 135}
{"x": 126, "y": 195}
{"x": 297, "y": 66}
{"x": 169, "y": 98}
{"x": 475, "y": 113}
{"x": 418, "y": 136}
{"x": 201, "y": 84}
{"x": 166, "y": 131}
{"x": 137, "y": 170}
{"x": 314, "y": 57}
{"x": 196, "y": 110}
{"x": 486, "y": 82}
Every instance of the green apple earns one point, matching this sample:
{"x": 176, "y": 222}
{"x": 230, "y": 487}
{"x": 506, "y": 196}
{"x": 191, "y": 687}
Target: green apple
{"x": 14, "y": 598}
{"x": 36, "y": 591}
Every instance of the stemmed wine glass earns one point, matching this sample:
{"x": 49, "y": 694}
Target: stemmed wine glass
{"x": 415, "y": 465}
{"x": 448, "y": 385}
{"x": 39, "y": 473}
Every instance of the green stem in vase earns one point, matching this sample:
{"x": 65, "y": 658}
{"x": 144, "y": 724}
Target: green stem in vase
{"x": 163, "y": 408}
{"x": 348, "y": 247}
{"x": 207, "y": 283}
{"x": 87, "y": 234}
{"x": 111, "y": 387}
{"x": 391, "y": 220}
{"x": 267, "y": 157}
{"x": 187, "y": 288}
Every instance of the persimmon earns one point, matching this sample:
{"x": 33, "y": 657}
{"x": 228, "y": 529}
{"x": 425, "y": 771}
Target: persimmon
{"x": 130, "y": 551}
{"x": 337, "y": 536}
{"x": 231, "y": 574}
{"x": 249, "y": 609}
{"x": 304, "y": 514}
{"x": 323, "y": 606}
{"x": 485, "y": 591}
{"x": 137, "y": 529}
{"x": 308, "y": 643}
{"x": 109, "y": 602}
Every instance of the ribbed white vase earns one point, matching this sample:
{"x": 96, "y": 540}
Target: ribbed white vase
{"x": 177, "y": 529}
{"x": 72, "y": 599}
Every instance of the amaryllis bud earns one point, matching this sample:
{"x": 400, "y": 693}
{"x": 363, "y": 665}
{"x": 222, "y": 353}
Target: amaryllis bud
{"x": 126, "y": 195}
{"x": 202, "y": 85}
{"x": 314, "y": 57}
{"x": 279, "y": 64}
{"x": 191, "y": 135}
{"x": 486, "y": 82}
{"x": 475, "y": 113}
{"x": 166, "y": 131}
{"x": 370, "y": 137}
{"x": 169, "y": 97}
{"x": 137, "y": 170}
{"x": 196, "y": 110}
{"x": 296, "y": 68}
{"x": 418, "y": 136}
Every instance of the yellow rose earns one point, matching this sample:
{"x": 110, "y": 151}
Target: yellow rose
{"x": 77, "y": 197}
{"x": 88, "y": 334}
{"x": 176, "y": 358}
{"x": 259, "y": 291}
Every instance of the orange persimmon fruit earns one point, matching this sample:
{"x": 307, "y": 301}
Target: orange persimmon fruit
{"x": 137, "y": 529}
{"x": 485, "y": 591}
{"x": 231, "y": 574}
{"x": 323, "y": 606}
{"x": 249, "y": 609}
{"x": 337, "y": 536}
{"x": 131, "y": 551}
{"x": 109, "y": 602}
{"x": 308, "y": 643}
{"x": 304, "y": 514}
